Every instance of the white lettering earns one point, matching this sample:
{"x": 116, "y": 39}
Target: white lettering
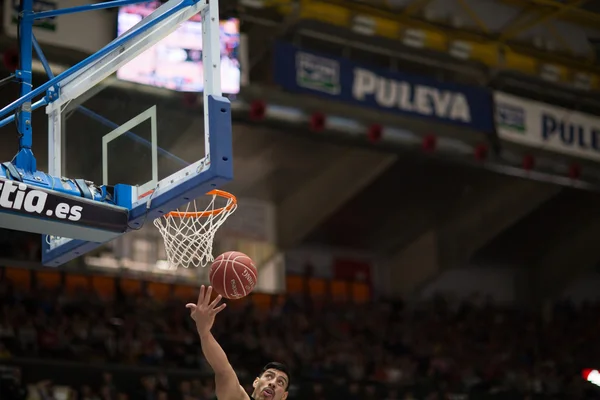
{"x": 421, "y": 99}
{"x": 35, "y": 201}
{"x": 442, "y": 102}
{"x": 387, "y": 93}
{"x": 62, "y": 210}
{"x": 460, "y": 110}
{"x": 76, "y": 213}
{"x": 365, "y": 83}
{"x": 405, "y": 101}
{"x": 234, "y": 288}
{"x": 248, "y": 277}
{"x": 8, "y": 189}
{"x": 20, "y": 196}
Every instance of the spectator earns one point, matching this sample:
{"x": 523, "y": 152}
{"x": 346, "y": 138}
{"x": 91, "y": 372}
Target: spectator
{"x": 440, "y": 348}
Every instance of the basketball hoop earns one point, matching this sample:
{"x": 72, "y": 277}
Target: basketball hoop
{"x": 189, "y": 233}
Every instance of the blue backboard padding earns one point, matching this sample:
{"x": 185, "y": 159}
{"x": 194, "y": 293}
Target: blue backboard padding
{"x": 38, "y": 208}
{"x": 219, "y": 173}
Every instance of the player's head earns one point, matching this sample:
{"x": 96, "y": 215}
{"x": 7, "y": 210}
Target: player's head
{"x": 272, "y": 383}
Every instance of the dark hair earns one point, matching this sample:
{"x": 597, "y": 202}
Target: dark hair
{"x": 279, "y": 367}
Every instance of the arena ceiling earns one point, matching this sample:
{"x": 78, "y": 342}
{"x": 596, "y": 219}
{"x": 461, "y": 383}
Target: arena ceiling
{"x": 579, "y": 12}
{"x": 582, "y": 12}
{"x": 518, "y": 28}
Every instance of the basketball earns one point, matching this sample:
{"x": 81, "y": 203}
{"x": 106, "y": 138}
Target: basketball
{"x": 233, "y": 275}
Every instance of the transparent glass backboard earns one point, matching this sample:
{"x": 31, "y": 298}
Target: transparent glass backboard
{"x": 144, "y": 122}
{"x": 137, "y": 127}
{"x": 176, "y": 62}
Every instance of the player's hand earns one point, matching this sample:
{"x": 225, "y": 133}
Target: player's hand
{"x": 203, "y": 313}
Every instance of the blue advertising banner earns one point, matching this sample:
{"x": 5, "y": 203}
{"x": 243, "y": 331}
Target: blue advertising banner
{"x": 419, "y": 96}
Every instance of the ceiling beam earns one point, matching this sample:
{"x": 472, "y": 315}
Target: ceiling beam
{"x": 474, "y": 17}
{"x": 575, "y": 15}
{"x": 414, "y": 7}
{"x": 457, "y": 34}
{"x": 540, "y": 18}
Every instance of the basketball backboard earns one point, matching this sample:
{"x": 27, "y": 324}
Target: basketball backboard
{"x": 118, "y": 131}
{"x": 138, "y": 128}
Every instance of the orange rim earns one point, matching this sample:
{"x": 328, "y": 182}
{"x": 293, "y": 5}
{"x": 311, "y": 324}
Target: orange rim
{"x": 204, "y": 214}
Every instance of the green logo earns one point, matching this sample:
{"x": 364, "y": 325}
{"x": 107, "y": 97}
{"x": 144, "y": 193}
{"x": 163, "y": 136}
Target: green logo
{"x": 318, "y": 73}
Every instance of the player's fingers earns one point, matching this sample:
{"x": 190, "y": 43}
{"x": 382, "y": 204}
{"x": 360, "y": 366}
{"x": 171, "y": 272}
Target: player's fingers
{"x": 219, "y": 309}
{"x": 201, "y": 296}
{"x": 191, "y": 305}
{"x": 207, "y": 296}
{"x": 215, "y": 301}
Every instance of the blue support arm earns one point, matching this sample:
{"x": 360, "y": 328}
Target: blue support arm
{"x": 87, "y": 7}
{"x": 11, "y": 118}
{"x": 89, "y": 60}
{"x": 25, "y": 158}
{"x": 42, "y": 57}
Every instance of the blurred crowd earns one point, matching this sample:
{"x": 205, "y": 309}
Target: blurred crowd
{"x": 18, "y": 245}
{"x": 440, "y": 349}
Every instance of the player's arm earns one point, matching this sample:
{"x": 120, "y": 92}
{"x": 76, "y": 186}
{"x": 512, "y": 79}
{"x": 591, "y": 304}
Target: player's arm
{"x": 227, "y": 384}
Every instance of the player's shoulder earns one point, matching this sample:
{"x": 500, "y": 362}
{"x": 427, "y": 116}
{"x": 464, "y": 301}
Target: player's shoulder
{"x": 241, "y": 395}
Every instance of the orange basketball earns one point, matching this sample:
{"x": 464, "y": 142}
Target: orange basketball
{"x": 233, "y": 275}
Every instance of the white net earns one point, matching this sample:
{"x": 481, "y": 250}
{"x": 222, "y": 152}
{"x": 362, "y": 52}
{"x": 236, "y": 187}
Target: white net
{"x": 189, "y": 233}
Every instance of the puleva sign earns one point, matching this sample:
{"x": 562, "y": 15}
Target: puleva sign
{"x": 344, "y": 80}
{"x": 402, "y": 95}
{"x": 547, "y": 127}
